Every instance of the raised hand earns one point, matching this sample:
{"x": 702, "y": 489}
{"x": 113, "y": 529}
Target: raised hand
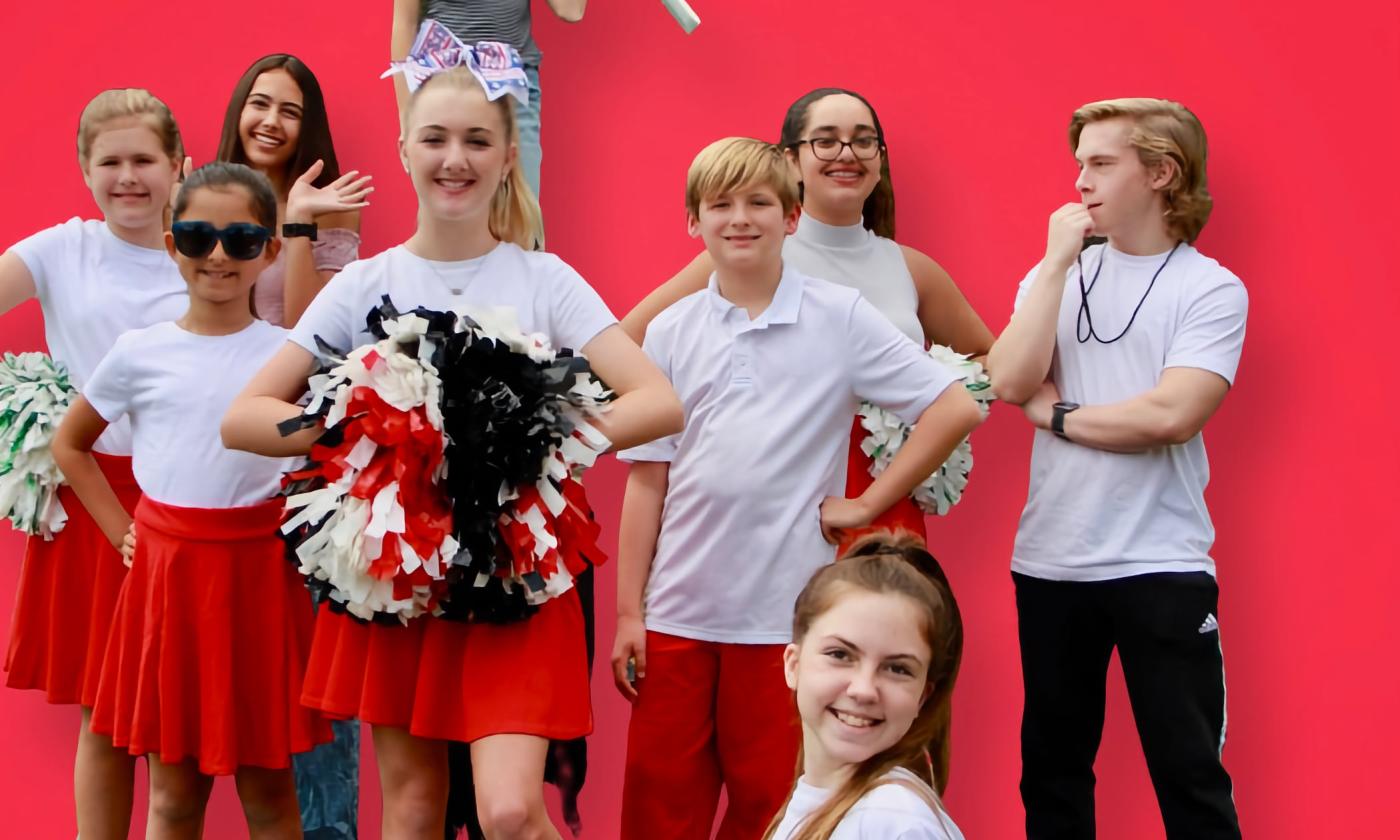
{"x": 1068, "y": 227}
{"x": 185, "y": 169}
{"x": 306, "y": 202}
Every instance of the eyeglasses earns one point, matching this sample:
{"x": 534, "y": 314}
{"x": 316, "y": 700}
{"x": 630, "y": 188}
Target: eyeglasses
{"x": 863, "y": 147}
{"x": 241, "y": 240}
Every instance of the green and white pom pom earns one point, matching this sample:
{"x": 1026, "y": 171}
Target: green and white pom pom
{"x": 887, "y": 433}
{"x": 34, "y": 395}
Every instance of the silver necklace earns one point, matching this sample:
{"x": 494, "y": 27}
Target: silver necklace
{"x": 454, "y": 288}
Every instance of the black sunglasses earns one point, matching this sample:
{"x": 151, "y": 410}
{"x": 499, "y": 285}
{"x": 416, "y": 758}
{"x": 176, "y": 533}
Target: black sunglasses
{"x": 241, "y": 240}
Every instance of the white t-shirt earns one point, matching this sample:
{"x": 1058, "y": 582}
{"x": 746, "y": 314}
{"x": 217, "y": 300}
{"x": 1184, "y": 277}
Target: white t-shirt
{"x": 889, "y": 812}
{"x": 853, "y": 256}
{"x": 1095, "y": 515}
{"x": 547, "y": 295}
{"x": 92, "y": 287}
{"x": 768, "y": 407}
{"x": 175, "y": 387}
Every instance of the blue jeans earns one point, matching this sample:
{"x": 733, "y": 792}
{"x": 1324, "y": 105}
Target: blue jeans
{"x": 527, "y": 117}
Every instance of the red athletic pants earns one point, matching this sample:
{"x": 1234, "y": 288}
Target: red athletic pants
{"x": 708, "y": 714}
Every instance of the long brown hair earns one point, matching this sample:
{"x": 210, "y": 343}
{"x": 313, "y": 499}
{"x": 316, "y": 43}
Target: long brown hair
{"x": 314, "y": 140}
{"x": 878, "y": 212}
{"x": 896, "y": 564}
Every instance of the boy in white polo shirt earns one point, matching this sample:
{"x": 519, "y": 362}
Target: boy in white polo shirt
{"x": 1119, "y": 355}
{"x": 723, "y": 523}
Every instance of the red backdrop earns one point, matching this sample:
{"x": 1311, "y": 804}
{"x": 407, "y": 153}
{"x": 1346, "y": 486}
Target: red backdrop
{"x": 975, "y": 98}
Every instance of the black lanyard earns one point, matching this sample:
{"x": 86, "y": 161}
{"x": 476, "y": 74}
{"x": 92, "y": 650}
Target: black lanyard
{"x": 1086, "y": 317}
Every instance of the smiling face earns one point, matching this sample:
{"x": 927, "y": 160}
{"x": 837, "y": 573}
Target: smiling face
{"x": 270, "y": 123}
{"x": 216, "y": 278}
{"x": 129, "y": 173}
{"x": 1120, "y": 193}
{"x": 743, "y": 229}
{"x": 458, "y": 150}
{"x": 860, "y": 674}
{"x": 837, "y": 188}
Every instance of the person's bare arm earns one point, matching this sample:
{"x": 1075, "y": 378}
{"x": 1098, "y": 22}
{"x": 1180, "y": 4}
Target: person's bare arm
{"x": 642, "y": 505}
{"x": 1020, "y": 359}
{"x": 647, "y": 407}
{"x": 16, "y": 282}
{"x": 944, "y": 313}
{"x": 690, "y": 280}
{"x": 72, "y": 451}
{"x": 401, "y": 34}
{"x": 568, "y": 10}
{"x": 1171, "y": 413}
{"x": 269, "y": 399}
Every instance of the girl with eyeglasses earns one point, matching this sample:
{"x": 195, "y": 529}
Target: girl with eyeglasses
{"x": 94, "y": 279}
{"x": 276, "y": 123}
{"x": 212, "y": 631}
{"x": 836, "y": 145}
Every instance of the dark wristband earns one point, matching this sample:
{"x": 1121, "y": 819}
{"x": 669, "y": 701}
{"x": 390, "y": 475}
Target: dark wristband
{"x": 1057, "y": 417}
{"x": 294, "y": 229}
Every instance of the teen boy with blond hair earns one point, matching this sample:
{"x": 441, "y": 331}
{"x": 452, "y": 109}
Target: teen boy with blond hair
{"x": 1119, "y": 353}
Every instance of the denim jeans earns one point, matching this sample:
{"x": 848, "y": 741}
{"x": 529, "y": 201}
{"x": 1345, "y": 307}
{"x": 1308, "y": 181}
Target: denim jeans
{"x": 527, "y": 117}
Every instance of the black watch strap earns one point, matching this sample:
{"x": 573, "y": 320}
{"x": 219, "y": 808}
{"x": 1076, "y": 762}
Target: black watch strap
{"x": 294, "y": 229}
{"x": 1057, "y": 417}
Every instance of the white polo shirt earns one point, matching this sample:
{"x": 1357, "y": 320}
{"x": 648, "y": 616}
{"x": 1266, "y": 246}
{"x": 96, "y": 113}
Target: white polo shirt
{"x": 1095, "y": 515}
{"x": 768, "y": 407}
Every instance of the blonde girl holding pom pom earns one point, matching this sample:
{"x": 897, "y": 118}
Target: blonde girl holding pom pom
{"x": 94, "y": 280}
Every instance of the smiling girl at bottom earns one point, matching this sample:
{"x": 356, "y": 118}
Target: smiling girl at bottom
{"x": 877, "y": 641}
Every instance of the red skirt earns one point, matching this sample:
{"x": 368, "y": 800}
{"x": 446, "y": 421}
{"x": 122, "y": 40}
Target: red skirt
{"x": 66, "y": 597}
{"x": 903, "y": 515}
{"x": 454, "y": 680}
{"x": 209, "y": 643}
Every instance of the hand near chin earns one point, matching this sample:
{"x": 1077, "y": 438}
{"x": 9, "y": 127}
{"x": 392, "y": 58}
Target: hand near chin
{"x": 1069, "y": 226}
{"x": 307, "y": 202}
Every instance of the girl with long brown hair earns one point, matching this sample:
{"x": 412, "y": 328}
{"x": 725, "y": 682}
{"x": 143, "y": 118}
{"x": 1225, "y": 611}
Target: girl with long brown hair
{"x": 877, "y": 642}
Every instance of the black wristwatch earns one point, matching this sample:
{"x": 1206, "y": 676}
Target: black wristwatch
{"x": 1057, "y": 417}
{"x": 294, "y": 229}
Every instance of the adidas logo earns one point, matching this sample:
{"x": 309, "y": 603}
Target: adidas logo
{"x": 1210, "y": 624}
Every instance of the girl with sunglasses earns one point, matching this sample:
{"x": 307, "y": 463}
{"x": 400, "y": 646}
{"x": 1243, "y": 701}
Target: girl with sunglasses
{"x": 505, "y": 689}
{"x": 276, "y": 123}
{"x": 836, "y": 145}
{"x": 94, "y": 280}
{"x": 203, "y": 669}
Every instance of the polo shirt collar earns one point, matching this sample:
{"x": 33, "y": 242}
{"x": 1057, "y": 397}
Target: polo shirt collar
{"x": 782, "y": 309}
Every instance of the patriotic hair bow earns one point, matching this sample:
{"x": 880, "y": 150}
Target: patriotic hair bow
{"x": 495, "y": 65}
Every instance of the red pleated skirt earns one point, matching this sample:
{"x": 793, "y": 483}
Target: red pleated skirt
{"x": 209, "y": 643}
{"x": 903, "y": 515}
{"x": 453, "y": 680}
{"x": 66, "y": 597}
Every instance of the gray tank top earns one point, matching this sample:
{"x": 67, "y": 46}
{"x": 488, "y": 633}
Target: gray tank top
{"x": 856, "y": 257}
{"x": 487, "y": 20}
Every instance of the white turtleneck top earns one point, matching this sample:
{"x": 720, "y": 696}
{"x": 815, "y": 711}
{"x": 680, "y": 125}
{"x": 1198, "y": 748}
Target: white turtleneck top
{"x": 856, "y": 257}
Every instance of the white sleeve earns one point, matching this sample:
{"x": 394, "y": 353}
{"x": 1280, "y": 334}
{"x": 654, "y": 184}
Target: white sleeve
{"x": 1211, "y": 333}
{"x": 330, "y": 314}
{"x": 577, "y": 311}
{"x": 44, "y": 253}
{"x": 657, "y": 346}
{"x": 888, "y": 369}
{"x": 109, "y": 389}
{"x": 1025, "y": 287}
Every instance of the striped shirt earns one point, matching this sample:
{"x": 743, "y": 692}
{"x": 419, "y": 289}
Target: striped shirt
{"x": 487, "y": 20}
